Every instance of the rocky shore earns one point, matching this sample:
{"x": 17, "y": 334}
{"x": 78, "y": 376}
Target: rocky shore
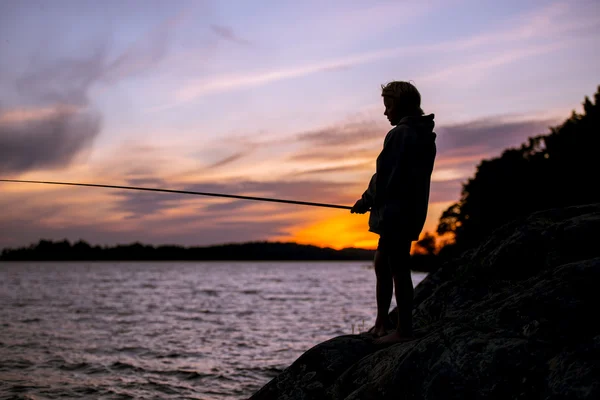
{"x": 514, "y": 318}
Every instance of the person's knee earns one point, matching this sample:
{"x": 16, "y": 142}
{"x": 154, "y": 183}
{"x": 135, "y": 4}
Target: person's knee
{"x": 400, "y": 270}
{"x": 400, "y": 261}
{"x": 400, "y": 265}
{"x": 382, "y": 267}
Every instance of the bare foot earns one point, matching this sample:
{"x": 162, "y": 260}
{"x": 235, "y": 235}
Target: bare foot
{"x": 379, "y": 331}
{"x": 376, "y": 331}
{"x": 394, "y": 337}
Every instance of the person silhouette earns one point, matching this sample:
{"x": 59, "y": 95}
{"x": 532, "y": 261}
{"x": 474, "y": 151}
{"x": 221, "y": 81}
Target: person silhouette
{"x": 398, "y": 196}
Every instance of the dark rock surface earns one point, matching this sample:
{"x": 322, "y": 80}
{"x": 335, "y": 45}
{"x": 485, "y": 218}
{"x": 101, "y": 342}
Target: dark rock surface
{"x": 513, "y": 319}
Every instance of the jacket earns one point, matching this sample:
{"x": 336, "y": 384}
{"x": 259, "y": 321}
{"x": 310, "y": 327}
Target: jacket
{"x": 398, "y": 193}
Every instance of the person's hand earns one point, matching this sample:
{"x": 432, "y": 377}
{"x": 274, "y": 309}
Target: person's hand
{"x": 359, "y": 207}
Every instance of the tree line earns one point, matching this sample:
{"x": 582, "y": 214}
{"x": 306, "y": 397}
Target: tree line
{"x": 46, "y": 250}
{"x": 557, "y": 169}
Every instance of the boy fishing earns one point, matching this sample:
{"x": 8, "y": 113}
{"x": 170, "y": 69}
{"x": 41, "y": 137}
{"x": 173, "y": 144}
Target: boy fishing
{"x": 398, "y": 196}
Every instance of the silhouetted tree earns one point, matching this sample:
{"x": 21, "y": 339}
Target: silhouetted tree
{"x": 427, "y": 244}
{"x": 553, "y": 170}
{"x": 424, "y": 257}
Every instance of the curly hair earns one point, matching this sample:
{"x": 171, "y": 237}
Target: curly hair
{"x": 405, "y": 95}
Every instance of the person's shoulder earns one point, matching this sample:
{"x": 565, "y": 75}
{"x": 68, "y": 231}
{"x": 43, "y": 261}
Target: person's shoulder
{"x": 399, "y": 132}
{"x": 400, "y": 128}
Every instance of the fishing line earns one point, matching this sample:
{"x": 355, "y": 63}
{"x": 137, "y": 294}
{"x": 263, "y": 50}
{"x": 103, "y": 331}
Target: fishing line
{"x": 231, "y": 196}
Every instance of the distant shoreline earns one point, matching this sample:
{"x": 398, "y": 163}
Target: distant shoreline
{"x": 46, "y": 250}
{"x": 263, "y": 252}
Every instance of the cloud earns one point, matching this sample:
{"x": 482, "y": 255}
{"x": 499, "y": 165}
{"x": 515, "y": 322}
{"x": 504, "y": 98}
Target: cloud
{"x": 160, "y": 218}
{"x": 340, "y": 147}
{"x": 489, "y": 134}
{"x": 139, "y": 204}
{"x": 528, "y": 25}
{"x": 473, "y": 68}
{"x": 464, "y": 142}
{"x": 338, "y": 169}
{"x": 349, "y": 148}
{"x": 64, "y": 82}
{"x": 228, "y": 160}
{"x": 125, "y": 216}
{"x": 226, "y": 206}
{"x": 15, "y": 116}
{"x": 343, "y": 150}
{"x": 335, "y": 154}
{"x": 353, "y": 133}
{"x": 186, "y": 232}
{"x": 444, "y": 191}
{"x": 232, "y": 232}
{"x": 215, "y": 84}
{"x": 548, "y": 23}
{"x": 227, "y": 33}
{"x": 146, "y": 52}
{"x": 53, "y": 135}
{"x": 58, "y": 121}
{"x": 52, "y": 141}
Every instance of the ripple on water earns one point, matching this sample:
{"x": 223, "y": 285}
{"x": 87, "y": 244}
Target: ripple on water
{"x": 168, "y": 330}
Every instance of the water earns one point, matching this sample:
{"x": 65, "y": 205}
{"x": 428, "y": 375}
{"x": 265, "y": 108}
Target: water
{"x": 170, "y": 330}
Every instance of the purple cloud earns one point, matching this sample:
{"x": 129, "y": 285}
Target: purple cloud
{"x": 227, "y": 33}
{"x": 55, "y": 121}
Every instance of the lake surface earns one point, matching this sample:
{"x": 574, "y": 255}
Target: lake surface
{"x": 170, "y": 330}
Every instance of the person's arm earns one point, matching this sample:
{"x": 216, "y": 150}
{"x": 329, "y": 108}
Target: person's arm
{"x": 369, "y": 194}
{"x": 402, "y": 165}
{"x": 392, "y": 164}
{"x": 366, "y": 201}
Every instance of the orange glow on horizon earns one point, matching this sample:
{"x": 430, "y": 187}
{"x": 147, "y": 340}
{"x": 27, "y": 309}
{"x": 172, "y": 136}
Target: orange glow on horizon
{"x": 338, "y": 232}
{"x": 352, "y": 230}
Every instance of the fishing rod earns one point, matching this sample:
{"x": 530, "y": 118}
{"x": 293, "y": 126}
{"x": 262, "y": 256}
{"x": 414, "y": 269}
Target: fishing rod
{"x": 231, "y": 196}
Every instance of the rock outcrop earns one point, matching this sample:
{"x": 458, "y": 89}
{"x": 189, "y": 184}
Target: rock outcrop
{"x": 513, "y": 319}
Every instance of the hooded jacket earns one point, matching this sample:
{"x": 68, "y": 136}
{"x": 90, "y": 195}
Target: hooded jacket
{"x": 398, "y": 193}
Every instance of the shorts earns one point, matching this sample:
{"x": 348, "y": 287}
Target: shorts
{"x": 392, "y": 243}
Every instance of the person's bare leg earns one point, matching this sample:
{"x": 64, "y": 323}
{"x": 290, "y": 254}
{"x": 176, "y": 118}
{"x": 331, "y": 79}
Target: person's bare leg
{"x": 384, "y": 293}
{"x": 404, "y": 292}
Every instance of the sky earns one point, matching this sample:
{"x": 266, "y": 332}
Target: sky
{"x": 276, "y": 99}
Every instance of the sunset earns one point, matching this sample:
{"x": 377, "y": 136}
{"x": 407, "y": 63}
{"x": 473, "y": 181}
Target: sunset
{"x": 301, "y": 200}
{"x": 234, "y": 99}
